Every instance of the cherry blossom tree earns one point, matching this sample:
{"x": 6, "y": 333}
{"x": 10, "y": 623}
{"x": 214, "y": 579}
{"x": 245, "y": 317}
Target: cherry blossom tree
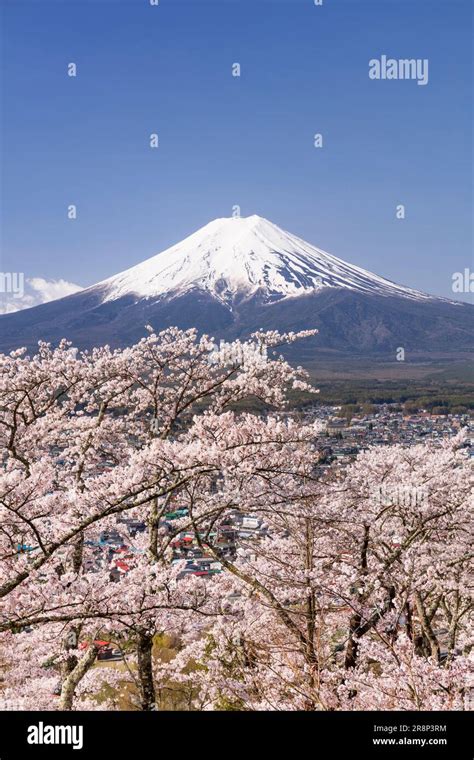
{"x": 89, "y": 437}
{"x": 359, "y": 598}
{"x": 353, "y": 594}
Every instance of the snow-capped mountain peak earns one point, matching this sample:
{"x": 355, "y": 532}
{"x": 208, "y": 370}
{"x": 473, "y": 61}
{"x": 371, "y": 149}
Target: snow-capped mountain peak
{"x": 235, "y": 276}
{"x": 239, "y": 257}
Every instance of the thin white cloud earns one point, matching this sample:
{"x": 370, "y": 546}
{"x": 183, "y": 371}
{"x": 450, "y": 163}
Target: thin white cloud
{"x": 37, "y": 290}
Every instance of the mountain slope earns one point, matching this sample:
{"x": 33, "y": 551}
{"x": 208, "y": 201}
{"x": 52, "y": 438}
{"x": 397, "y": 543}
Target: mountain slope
{"x": 236, "y": 275}
{"x": 240, "y": 257}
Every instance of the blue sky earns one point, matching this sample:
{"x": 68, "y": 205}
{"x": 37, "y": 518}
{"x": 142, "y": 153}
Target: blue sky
{"x": 227, "y": 141}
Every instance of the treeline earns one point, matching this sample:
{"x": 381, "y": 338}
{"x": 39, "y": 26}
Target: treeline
{"x": 451, "y": 405}
{"x": 362, "y": 397}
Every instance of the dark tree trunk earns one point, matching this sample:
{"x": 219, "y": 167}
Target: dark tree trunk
{"x": 145, "y": 671}
{"x": 77, "y": 554}
{"x": 427, "y": 630}
{"x": 409, "y": 622}
{"x": 311, "y": 656}
{"x": 352, "y": 645}
{"x": 355, "y": 621}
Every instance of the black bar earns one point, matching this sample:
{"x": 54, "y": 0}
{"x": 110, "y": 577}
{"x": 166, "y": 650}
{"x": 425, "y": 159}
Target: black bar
{"x": 179, "y": 734}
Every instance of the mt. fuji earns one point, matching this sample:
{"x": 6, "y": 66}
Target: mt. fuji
{"x": 235, "y": 275}
{"x": 236, "y": 258}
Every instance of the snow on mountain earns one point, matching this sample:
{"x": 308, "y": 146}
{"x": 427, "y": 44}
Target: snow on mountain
{"x": 236, "y": 258}
{"x": 235, "y": 276}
